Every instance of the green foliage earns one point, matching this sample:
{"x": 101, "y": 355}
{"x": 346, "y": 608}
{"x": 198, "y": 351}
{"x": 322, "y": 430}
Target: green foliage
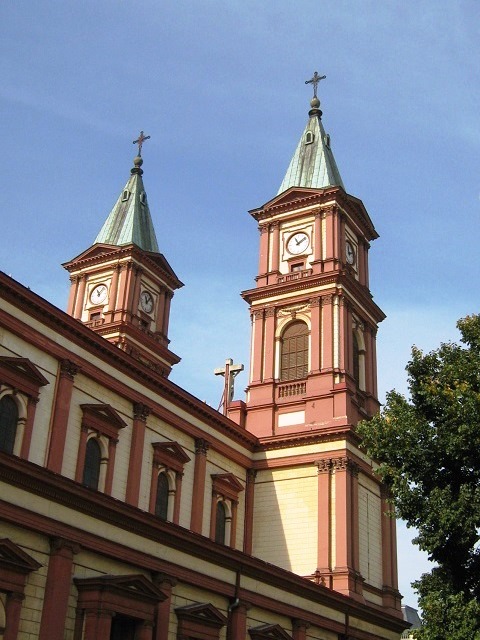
{"x": 428, "y": 449}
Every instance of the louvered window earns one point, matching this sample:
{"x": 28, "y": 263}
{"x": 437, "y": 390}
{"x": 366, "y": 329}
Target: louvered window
{"x": 161, "y": 502}
{"x": 294, "y": 358}
{"x": 8, "y": 424}
{"x": 93, "y": 459}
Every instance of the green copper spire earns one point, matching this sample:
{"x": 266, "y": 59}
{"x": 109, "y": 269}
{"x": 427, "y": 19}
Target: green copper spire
{"x": 130, "y": 221}
{"x": 313, "y": 164}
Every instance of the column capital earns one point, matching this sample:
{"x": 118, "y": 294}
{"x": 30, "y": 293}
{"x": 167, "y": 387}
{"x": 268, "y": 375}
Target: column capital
{"x": 201, "y": 446}
{"x": 324, "y": 465}
{"x": 140, "y": 411}
{"x": 297, "y": 623}
{"x": 345, "y": 464}
{"x": 68, "y": 369}
{"x": 58, "y": 544}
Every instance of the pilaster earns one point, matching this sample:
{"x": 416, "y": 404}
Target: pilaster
{"x": 166, "y": 584}
{"x": 61, "y": 411}
{"x": 198, "y": 495}
{"x": 140, "y": 415}
{"x": 249, "y": 508}
{"x": 13, "y": 611}
{"x": 57, "y": 590}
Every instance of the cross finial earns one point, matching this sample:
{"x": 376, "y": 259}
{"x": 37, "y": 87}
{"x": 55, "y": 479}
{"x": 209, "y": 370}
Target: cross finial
{"x": 140, "y": 140}
{"x": 315, "y": 80}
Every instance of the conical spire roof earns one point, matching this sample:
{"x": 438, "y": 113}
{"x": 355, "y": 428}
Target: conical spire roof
{"x": 130, "y": 221}
{"x": 313, "y": 164}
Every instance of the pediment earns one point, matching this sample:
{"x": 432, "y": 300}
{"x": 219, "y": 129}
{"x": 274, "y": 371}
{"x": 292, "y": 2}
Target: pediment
{"x": 14, "y": 558}
{"x": 290, "y": 196}
{"x": 100, "y": 416}
{"x": 270, "y": 631}
{"x": 92, "y": 252}
{"x": 22, "y": 374}
{"x": 227, "y": 484}
{"x": 170, "y": 454}
{"x": 202, "y": 613}
{"x": 161, "y": 262}
{"x": 134, "y": 586}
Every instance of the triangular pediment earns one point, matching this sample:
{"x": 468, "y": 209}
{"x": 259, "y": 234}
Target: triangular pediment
{"x": 23, "y": 368}
{"x": 169, "y": 453}
{"x": 270, "y": 631}
{"x": 92, "y": 252}
{"x": 164, "y": 265}
{"x": 105, "y": 413}
{"x": 292, "y": 198}
{"x": 227, "y": 480}
{"x": 14, "y": 558}
{"x": 136, "y": 586}
{"x": 203, "y": 613}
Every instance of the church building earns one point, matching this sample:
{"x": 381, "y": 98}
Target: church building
{"x": 131, "y": 510}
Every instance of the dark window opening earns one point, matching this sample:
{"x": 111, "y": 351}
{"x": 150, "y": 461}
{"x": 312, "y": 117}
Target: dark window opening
{"x": 298, "y": 266}
{"x": 161, "y": 502}
{"x": 220, "y": 523}
{"x": 356, "y": 360}
{"x": 8, "y": 424}
{"x": 93, "y": 459}
{"x": 123, "y": 628}
{"x": 294, "y": 358}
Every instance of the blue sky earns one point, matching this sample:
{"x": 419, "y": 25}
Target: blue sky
{"x": 219, "y": 86}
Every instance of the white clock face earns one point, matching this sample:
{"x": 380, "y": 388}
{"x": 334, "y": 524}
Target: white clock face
{"x": 350, "y": 253}
{"x": 146, "y": 301}
{"x": 99, "y": 294}
{"x": 298, "y": 243}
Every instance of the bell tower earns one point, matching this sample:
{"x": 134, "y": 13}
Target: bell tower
{"x": 314, "y": 321}
{"x": 319, "y": 510}
{"x": 122, "y": 286}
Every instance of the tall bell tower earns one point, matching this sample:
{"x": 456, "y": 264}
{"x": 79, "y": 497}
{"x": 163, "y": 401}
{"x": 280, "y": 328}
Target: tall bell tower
{"x": 122, "y": 286}
{"x": 319, "y": 509}
{"x": 314, "y": 321}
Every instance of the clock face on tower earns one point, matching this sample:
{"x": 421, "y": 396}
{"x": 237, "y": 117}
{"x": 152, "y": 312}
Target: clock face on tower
{"x": 350, "y": 253}
{"x": 146, "y": 301}
{"x": 99, "y": 294}
{"x": 298, "y": 243}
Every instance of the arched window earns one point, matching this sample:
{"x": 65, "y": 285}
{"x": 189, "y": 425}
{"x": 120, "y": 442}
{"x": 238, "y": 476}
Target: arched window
{"x": 356, "y": 360}
{"x": 161, "y": 502}
{"x": 8, "y": 423}
{"x": 93, "y": 459}
{"x": 220, "y": 523}
{"x": 294, "y": 358}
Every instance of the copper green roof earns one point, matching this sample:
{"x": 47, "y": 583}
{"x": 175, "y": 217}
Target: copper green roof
{"x": 313, "y": 164}
{"x": 130, "y": 221}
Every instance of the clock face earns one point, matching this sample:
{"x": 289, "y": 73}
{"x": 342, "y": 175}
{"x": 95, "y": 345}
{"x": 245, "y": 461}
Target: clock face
{"x": 99, "y": 294}
{"x": 146, "y": 301}
{"x": 350, "y": 253}
{"x": 298, "y": 243}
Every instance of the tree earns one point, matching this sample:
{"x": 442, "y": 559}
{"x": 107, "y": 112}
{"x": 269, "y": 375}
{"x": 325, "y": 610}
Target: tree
{"x": 428, "y": 451}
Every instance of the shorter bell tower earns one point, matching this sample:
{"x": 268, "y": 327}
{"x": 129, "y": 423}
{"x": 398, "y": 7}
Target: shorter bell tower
{"x": 122, "y": 286}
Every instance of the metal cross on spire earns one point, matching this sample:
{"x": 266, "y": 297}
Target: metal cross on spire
{"x": 315, "y": 80}
{"x": 140, "y": 140}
